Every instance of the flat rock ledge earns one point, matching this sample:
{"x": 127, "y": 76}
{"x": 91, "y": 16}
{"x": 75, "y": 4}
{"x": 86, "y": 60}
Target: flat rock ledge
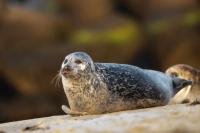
{"x": 180, "y": 118}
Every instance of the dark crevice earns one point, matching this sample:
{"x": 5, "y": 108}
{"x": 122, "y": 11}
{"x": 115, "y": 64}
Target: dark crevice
{"x": 122, "y": 8}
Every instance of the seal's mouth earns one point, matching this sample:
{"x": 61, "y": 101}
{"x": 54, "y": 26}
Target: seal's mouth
{"x": 66, "y": 71}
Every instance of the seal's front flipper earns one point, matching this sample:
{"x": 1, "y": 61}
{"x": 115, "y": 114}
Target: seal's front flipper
{"x": 179, "y": 84}
{"x": 70, "y": 112}
{"x": 65, "y": 109}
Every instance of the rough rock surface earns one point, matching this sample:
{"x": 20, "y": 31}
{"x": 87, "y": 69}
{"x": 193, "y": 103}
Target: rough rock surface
{"x": 167, "y": 119}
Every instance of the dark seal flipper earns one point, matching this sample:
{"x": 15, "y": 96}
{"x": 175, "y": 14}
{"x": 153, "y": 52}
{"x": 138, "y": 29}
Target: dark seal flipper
{"x": 179, "y": 84}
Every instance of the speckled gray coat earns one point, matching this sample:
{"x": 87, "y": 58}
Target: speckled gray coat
{"x": 98, "y": 88}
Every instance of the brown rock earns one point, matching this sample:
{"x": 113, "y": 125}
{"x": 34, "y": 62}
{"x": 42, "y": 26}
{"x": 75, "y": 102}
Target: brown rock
{"x": 167, "y": 119}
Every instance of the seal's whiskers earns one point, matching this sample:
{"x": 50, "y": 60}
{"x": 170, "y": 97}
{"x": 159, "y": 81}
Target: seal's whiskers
{"x": 56, "y": 80}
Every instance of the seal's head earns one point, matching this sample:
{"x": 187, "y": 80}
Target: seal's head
{"x": 77, "y": 65}
{"x": 182, "y": 71}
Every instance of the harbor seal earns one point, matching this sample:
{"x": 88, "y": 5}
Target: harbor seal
{"x": 96, "y": 88}
{"x": 190, "y": 93}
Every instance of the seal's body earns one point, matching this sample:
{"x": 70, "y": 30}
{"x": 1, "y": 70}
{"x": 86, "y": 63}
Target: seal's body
{"x": 190, "y": 93}
{"x": 97, "y": 88}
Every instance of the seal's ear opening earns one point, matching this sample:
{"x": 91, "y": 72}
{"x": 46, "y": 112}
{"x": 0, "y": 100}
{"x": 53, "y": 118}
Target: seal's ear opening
{"x": 179, "y": 84}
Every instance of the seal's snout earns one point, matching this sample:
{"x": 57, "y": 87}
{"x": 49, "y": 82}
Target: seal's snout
{"x": 66, "y": 69}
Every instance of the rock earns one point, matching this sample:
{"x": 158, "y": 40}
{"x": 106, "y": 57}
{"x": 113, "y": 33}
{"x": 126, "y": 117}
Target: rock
{"x": 2, "y": 9}
{"x": 157, "y": 8}
{"x": 186, "y": 50}
{"x": 167, "y": 119}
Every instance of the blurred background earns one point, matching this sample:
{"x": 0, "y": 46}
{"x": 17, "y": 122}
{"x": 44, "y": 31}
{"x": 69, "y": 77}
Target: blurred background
{"x": 35, "y": 36}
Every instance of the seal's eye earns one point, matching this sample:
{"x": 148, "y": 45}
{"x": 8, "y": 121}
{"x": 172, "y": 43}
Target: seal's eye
{"x": 174, "y": 74}
{"x": 77, "y": 61}
{"x": 65, "y": 61}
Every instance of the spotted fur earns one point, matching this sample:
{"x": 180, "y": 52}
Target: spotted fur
{"x": 108, "y": 87}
